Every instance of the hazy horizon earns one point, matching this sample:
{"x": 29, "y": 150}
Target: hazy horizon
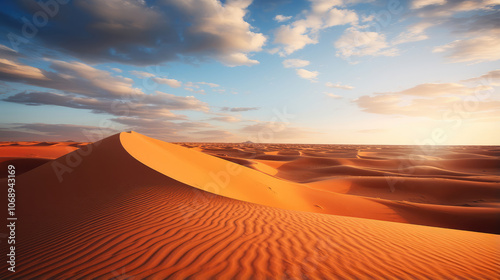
{"x": 421, "y": 72}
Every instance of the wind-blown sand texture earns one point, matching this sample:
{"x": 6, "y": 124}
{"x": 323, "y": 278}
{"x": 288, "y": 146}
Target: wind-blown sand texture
{"x": 132, "y": 206}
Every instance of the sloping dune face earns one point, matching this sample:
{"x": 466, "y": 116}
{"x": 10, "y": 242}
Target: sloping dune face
{"x": 101, "y": 213}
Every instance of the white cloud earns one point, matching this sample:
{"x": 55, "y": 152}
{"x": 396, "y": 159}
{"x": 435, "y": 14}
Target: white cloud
{"x": 118, "y": 70}
{"x": 355, "y": 42}
{"x": 171, "y": 82}
{"x": 417, "y": 4}
{"x": 414, "y": 33}
{"x": 306, "y": 74}
{"x": 295, "y": 63}
{"x": 282, "y": 18}
{"x": 300, "y": 33}
{"x": 338, "y": 85}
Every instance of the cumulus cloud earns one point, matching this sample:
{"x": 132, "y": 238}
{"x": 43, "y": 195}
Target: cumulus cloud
{"x": 239, "y": 109}
{"x": 282, "y": 18}
{"x": 145, "y": 33}
{"x": 338, "y": 85}
{"x": 295, "y": 63}
{"x": 357, "y": 42}
{"x": 302, "y": 32}
{"x": 308, "y": 75}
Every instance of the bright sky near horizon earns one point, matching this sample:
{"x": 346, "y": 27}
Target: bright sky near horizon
{"x": 317, "y": 71}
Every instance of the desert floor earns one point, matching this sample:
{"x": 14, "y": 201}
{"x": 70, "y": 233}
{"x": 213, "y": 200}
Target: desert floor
{"x": 133, "y": 207}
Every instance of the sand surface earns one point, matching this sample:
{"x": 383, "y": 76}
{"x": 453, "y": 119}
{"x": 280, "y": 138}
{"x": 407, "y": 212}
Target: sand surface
{"x": 132, "y": 206}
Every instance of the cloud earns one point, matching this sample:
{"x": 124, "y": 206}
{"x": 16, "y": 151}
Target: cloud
{"x": 308, "y": 75}
{"x": 71, "y": 76}
{"x": 443, "y": 8}
{"x": 282, "y": 18}
{"x": 171, "y": 82}
{"x": 435, "y": 101}
{"x": 334, "y": 96}
{"x": 149, "y": 106}
{"x": 441, "y": 89}
{"x": 225, "y": 119}
{"x": 212, "y": 85}
{"x": 356, "y": 42}
{"x": 175, "y": 131}
{"x": 144, "y": 33}
{"x": 414, "y": 33}
{"x": 239, "y": 109}
{"x": 200, "y": 91}
{"x": 302, "y": 32}
{"x": 142, "y": 74}
{"x": 295, "y": 63}
{"x": 338, "y": 85}
{"x": 491, "y": 78}
{"x": 474, "y": 50}
{"x": 417, "y": 4}
{"x": 14, "y": 71}
{"x": 118, "y": 70}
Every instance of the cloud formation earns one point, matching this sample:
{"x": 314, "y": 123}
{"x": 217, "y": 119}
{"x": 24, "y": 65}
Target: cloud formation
{"x": 308, "y": 75}
{"x": 295, "y": 63}
{"x": 238, "y": 109}
{"x": 338, "y": 85}
{"x": 302, "y": 32}
{"x": 145, "y": 33}
{"x": 357, "y": 42}
{"x": 442, "y": 101}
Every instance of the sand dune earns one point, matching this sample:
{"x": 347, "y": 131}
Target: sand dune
{"x": 130, "y": 205}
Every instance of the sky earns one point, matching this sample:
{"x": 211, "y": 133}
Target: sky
{"x": 420, "y": 72}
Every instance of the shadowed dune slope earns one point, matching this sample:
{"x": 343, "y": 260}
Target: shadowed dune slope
{"x": 110, "y": 216}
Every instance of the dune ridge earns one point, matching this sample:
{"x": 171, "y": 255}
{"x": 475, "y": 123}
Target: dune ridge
{"x": 116, "y": 216}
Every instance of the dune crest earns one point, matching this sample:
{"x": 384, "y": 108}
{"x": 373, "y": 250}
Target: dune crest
{"x": 126, "y": 208}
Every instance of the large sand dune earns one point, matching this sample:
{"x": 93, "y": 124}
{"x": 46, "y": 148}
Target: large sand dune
{"x": 130, "y": 205}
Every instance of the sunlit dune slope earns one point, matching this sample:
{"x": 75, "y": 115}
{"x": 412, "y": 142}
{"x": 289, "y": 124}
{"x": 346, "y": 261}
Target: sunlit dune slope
{"x": 109, "y": 215}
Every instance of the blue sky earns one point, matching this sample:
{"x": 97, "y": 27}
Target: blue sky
{"x": 329, "y": 71}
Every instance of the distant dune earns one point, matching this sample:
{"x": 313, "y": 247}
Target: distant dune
{"x": 131, "y": 205}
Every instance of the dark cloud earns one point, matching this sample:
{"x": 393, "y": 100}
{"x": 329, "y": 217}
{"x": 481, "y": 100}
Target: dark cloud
{"x": 140, "y": 32}
{"x": 238, "y": 109}
{"x": 154, "y": 106}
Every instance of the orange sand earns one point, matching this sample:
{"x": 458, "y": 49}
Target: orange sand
{"x": 130, "y": 205}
